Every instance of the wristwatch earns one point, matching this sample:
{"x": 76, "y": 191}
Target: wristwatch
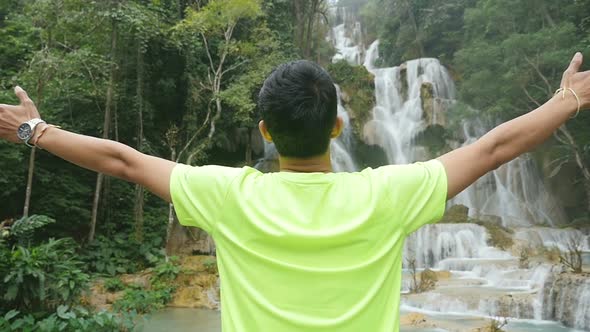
{"x": 26, "y": 130}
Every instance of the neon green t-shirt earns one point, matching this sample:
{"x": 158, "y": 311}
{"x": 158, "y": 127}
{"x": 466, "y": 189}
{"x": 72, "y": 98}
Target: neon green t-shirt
{"x": 309, "y": 251}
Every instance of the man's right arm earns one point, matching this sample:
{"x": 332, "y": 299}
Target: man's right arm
{"x": 100, "y": 155}
{"x": 110, "y": 158}
{"x": 513, "y": 138}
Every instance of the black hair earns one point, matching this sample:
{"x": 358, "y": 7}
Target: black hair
{"x": 299, "y": 105}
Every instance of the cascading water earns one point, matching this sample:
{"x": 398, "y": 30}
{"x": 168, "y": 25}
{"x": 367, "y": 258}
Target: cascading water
{"x": 397, "y": 116}
{"x": 513, "y": 192}
{"x": 346, "y": 36}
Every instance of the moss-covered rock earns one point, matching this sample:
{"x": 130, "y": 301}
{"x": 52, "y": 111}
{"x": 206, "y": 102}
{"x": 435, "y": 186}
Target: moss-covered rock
{"x": 500, "y": 237}
{"x": 456, "y": 214}
{"x": 358, "y": 92}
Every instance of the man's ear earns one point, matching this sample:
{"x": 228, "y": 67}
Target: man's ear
{"x": 264, "y": 131}
{"x": 338, "y": 127}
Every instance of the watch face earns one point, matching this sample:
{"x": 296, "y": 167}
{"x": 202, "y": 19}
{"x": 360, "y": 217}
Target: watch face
{"x": 24, "y": 132}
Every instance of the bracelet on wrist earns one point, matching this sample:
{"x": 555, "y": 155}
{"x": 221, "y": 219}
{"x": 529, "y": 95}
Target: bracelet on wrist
{"x": 43, "y": 130}
{"x": 563, "y": 90}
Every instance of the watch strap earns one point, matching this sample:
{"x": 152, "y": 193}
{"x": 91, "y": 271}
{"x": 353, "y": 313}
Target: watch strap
{"x": 33, "y": 123}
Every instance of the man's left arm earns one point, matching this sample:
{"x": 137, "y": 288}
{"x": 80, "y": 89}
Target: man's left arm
{"x": 100, "y": 155}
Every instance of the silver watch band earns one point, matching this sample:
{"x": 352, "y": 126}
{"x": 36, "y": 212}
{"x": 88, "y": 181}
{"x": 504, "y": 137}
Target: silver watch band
{"x": 33, "y": 123}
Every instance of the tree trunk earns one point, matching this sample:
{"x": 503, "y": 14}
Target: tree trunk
{"x": 31, "y": 172}
{"x": 29, "y": 182}
{"x": 105, "y": 127}
{"x": 309, "y": 30}
{"x": 171, "y": 213}
{"x": 410, "y": 12}
{"x": 299, "y": 9}
{"x": 139, "y": 190}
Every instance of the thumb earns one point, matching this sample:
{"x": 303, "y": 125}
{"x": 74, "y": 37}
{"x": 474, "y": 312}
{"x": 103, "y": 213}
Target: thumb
{"x": 21, "y": 94}
{"x": 576, "y": 63}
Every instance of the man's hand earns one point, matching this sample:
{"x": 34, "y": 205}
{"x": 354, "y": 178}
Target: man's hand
{"x": 11, "y": 117}
{"x": 100, "y": 155}
{"x": 577, "y": 81}
{"x": 513, "y": 138}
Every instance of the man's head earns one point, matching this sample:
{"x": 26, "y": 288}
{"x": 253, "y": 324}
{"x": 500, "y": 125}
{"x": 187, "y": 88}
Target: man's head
{"x": 299, "y": 109}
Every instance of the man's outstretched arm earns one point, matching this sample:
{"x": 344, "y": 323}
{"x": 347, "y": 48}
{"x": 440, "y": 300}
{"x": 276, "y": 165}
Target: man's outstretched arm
{"x": 513, "y": 138}
{"x": 100, "y": 155}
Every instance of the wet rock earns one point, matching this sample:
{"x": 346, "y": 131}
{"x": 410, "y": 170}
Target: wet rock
{"x": 433, "y": 109}
{"x": 415, "y": 319}
{"x": 566, "y": 298}
{"x": 456, "y": 214}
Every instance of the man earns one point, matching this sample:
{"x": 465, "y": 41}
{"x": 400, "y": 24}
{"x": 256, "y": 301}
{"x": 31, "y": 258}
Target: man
{"x": 305, "y": 249}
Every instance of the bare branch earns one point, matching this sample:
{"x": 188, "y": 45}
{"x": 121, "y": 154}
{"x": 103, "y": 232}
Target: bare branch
{"x": 549, "y": 89}
{"x": 526, "y": 91}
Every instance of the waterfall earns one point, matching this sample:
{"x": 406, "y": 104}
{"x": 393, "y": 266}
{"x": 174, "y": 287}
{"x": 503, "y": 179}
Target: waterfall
{"x": 562, "y": 239}
{"x": 340, "y": 148}
{"x": 346, "y": 36}
{"x": 515, "y": 192}
{"x": 450, "y": 246}
{"x": 397, "y": 116}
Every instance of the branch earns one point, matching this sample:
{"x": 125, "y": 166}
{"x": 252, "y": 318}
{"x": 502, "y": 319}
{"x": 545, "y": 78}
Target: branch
{"x": 572, "y": 143}
{"x": 208, "y": 51}
{"x": 549, "y": 89}
{"x": 234, "y": 66}
{"x": 196, "y": 134}
{"x": 526, "y": 91}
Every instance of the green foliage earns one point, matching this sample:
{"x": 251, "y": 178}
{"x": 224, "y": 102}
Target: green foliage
{"x": 413, "y": 29}
{"x": 167, "y": 271}
{"x": 121, "y": 255}
{"x": 42, "y": 277}
{"x": 69, "y": 319}
{"x": 114, "y": 284}
{"x": 358, "y": 88}
{"x": 218, "y": 14}
{"x": 210, "y": 264}
{"x": 23, "y": 229}
{"x": 143, "y": 301}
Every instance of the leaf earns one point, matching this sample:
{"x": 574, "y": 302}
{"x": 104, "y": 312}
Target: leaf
{"x": 62, "y": 312}
{"x": 11, "y": 314}
{"x": 11, "y": 293}
{"x": 99, "y": 320}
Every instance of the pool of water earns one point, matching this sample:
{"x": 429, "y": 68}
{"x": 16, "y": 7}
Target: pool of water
{"x": 202, "y": 320}
{"x": 178, "y": 319}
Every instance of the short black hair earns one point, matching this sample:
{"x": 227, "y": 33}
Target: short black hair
{"x": 299, "y": 105}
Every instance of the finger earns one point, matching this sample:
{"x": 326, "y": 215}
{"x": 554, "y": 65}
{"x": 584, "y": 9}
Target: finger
{"x": 21, "y": 94}
{"x": 576, "y": 63}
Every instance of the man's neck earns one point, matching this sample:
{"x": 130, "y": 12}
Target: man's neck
{"x": 320, "y": 164}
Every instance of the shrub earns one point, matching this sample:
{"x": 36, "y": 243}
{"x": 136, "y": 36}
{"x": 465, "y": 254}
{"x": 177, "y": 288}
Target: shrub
{"x": 167, "y": 271}
{"x": 42, "y": 277}
{"x": 121, "y": 255}
{"x": 114, "y": 284}
{"x": 69, "y": 319}
{"x": 143, "y": 301}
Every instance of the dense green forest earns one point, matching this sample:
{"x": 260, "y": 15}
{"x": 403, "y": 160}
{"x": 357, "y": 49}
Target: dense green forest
{"x": 178, "y": 79}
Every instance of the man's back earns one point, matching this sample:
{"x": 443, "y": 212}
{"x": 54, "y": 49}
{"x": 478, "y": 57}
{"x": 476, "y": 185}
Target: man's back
{"x": 309, "y": 251}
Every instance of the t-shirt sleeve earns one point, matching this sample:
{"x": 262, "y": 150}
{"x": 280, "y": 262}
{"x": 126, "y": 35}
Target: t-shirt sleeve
{"x": 198, "y": 193}
{"x": 417, "y": 193}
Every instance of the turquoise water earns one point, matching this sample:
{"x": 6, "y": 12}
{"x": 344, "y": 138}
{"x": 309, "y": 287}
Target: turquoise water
{"x": 202, "y": 320}
{"x": 177, "y": 320}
